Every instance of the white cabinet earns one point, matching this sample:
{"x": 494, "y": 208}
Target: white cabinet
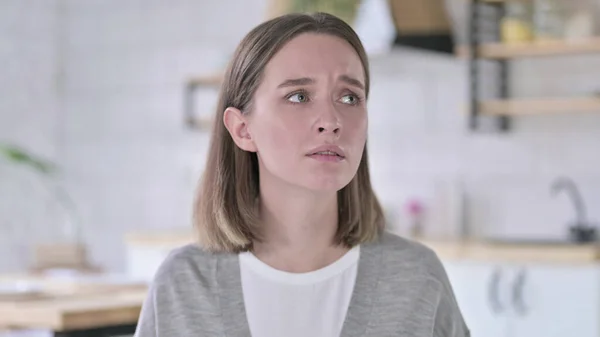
{"x": 143, "y": 260}
{"x": 529, "y": 300}
{"x": 558, "y": 301}
{"x": 147, "y": 251}
{"x": 478, "y": 287}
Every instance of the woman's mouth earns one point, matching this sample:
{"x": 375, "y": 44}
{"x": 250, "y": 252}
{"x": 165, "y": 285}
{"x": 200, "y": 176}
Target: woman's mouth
{"x": 327, "y": 155}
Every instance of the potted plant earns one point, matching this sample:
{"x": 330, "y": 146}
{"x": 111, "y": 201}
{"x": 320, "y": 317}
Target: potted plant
{"x": 344, "y": 9}
{"x": 70, "y": 253}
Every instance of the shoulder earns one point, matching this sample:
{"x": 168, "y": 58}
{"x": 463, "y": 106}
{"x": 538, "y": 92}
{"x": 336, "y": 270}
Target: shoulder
{"x": 184, "y": 294}
{"x": 189, "y": 263}
{"x": 416, "y": 268}
{"x": 409, "y": 257}
{"x": 391, "y": 242}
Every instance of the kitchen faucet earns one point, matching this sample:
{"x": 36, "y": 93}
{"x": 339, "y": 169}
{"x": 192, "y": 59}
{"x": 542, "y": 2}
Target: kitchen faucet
{"x": 581, "y": 230}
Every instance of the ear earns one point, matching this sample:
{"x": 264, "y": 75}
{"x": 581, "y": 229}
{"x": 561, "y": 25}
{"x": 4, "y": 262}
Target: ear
{"x": 237, "y": 125}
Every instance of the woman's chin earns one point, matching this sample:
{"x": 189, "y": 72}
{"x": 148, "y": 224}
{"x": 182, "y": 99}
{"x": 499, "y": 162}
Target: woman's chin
{"x": 332, "y": 184}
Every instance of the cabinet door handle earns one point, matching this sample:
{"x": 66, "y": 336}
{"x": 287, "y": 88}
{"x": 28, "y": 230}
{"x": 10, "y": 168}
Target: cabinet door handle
{"x": 493, "y": 287}
{"x": 517, "y": 293}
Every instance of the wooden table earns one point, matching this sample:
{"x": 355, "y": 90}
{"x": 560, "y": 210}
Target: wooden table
{"x": 74, "y": 308}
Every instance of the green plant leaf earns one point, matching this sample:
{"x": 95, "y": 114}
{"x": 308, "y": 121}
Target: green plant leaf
{"x": 344, "y": 9}
{"x": 20, "y": 156}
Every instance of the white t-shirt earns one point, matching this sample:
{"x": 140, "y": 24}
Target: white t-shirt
{"x": 312, "y": 304}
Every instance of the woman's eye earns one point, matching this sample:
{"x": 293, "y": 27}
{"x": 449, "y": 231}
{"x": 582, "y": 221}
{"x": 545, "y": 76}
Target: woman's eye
{"x": 298, "y": 98}
{"x": 350, "y": 99}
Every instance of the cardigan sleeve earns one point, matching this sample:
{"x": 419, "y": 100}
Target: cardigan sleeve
{"x": 448, "y": 319}
{"x": 146, "y": 326}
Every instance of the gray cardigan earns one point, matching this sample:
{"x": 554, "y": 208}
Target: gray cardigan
{"x": 401, "y": 289}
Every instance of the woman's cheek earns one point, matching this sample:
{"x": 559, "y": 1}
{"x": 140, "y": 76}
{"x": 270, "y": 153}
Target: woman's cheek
{"x": 357, "y": 125}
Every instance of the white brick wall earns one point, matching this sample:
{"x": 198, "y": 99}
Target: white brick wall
{"x": 507, "y": 176}
{"x": 131, "y": 164}
{"x": 28, "y": 117}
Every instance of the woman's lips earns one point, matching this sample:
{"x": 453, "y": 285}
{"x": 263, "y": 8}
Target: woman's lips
{"x": 327, "y": 153}
{"x": 326, "y": 156}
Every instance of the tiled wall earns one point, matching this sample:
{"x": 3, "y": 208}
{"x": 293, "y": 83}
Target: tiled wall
{"x": 132, "y": 165}
{"x": 29, "y": 72}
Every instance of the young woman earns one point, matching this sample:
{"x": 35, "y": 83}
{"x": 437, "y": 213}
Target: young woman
{"x": 291, "y": 238}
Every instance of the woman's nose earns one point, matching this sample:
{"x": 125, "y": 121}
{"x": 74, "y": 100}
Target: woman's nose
{"x": 329, "y": 122}
{"x": 334, "y": 129}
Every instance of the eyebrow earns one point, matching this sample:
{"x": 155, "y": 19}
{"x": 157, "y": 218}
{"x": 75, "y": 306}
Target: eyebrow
{"x": 352, "y": 81}
{"x": 296, "y": 82}
{"x": 306, "y": 81}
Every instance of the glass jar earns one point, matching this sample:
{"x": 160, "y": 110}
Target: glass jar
{"x": 549, "y": 20}
{"x": 580, "y": 21}
{"x": 516, "y": 25}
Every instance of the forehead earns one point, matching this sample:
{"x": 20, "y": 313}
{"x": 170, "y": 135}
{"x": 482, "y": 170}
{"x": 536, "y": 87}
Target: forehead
{"x": 314, "y": 55}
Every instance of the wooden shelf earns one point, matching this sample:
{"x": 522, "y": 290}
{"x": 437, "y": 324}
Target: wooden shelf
{"x": 497, "y": 1}
{"x": 540, "y": 106}
{"x": 202, "y": 123}
{"x": 534, "y": 49}
{"x": 500, "y": 1}
{"x": 214, "y": 80}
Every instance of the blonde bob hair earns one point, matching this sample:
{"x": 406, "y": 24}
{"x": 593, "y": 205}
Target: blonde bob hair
{"x": 226, "y": 215}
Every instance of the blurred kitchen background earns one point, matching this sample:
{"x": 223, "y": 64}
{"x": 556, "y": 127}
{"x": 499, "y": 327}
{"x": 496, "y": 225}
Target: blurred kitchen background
{"x": 484, "y": 127}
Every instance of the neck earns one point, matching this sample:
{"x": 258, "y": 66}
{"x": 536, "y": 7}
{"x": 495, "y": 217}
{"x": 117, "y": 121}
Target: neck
{"x": 298, "y": 228}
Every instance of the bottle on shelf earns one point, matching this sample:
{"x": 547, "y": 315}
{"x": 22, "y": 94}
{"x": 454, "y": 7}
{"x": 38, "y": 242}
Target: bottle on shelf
{"x": 516, "y": 25}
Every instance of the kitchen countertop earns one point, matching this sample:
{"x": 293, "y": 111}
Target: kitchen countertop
{"x": 159, "y": 238}
{"x": 61, "y": 304}
{"x": 69, "y": 304}
{"x": 514, "y": 252}
{"x": 447, "y": 249}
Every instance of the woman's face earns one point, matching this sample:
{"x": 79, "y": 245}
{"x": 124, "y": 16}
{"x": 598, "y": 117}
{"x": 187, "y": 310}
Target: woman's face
{"x": 308, "y": 120}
